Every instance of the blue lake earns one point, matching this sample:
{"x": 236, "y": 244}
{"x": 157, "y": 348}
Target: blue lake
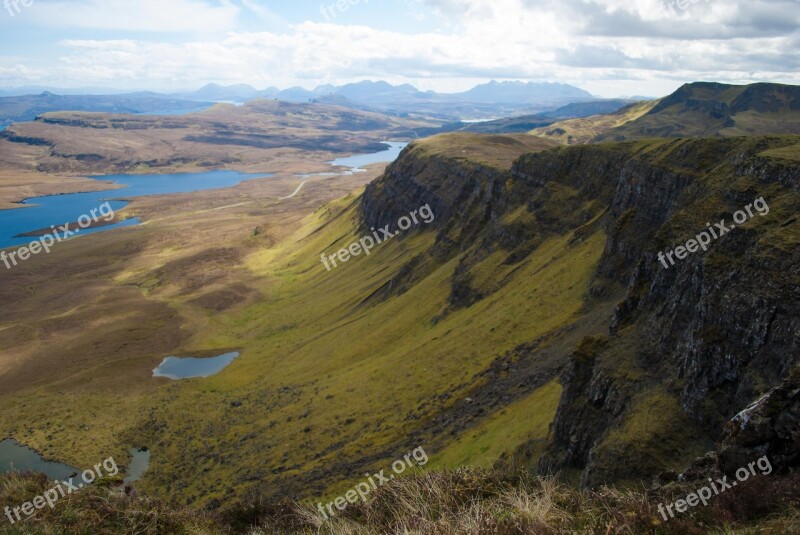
{"x": 359, "y": 160}
{"x": 187, "y": 368}
{"x": 60, "y": 209}
{"x": 44, "y": 212}
{"x": 179, "y": 111}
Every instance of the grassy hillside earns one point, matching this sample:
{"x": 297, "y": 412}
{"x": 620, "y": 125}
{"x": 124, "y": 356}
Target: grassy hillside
{"x": 333, "y": 379}
{"x": 587, "y": 129}
{"x": 333, "y": 374}
{"x": 539, "y": 265}
{"x": 706, "y": 109}
{"x": 695, "y": 110}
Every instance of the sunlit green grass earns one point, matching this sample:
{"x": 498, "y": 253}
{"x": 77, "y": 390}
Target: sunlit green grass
{"x": 362, "y": 367}
{"x": 525, "y": 420}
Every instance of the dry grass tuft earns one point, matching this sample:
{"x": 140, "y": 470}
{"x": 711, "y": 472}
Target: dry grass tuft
{"x": 466, "y": 501}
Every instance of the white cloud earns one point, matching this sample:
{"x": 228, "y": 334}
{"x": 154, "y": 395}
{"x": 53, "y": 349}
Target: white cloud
{"x": 598, "y": 44}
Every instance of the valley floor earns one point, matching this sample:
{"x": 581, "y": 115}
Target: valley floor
{"x": 309, "y": 405}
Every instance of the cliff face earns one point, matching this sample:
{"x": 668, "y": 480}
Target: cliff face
{"x": 716, "y": 330}
{"x": 471, "y": 202}
{"x": 462, "y": 197}
{"x": 461, "y": 194}
{"x": 690, "y": 345}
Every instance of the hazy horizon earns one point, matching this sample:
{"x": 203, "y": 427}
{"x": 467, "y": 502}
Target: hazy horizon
{"x": 610, "y": 48}
{"x": 86, "y": 90}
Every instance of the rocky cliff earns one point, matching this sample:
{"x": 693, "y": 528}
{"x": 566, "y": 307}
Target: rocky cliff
{"x": 712, "y": 332}
{"x": 689, "y": 345}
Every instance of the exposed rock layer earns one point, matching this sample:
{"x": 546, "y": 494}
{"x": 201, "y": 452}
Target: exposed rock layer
{"x": 702, "y": 338}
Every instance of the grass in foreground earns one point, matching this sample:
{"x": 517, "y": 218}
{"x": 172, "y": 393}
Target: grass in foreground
{"x": 462, "y": 501}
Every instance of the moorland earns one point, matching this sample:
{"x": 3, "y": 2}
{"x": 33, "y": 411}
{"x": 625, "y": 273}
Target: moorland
{"x": 529, "y": 330}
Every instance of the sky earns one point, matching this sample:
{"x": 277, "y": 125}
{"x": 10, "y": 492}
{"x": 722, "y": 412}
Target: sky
{"x": 611, "y": 48}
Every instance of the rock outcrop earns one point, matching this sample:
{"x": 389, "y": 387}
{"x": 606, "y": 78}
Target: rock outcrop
{"x": 769, "y": 426}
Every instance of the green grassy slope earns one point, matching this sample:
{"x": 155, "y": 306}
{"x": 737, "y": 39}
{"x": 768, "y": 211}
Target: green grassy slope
{"x": 705, "y": 109}
{"x": 586, "y": 129}
{"x": 333, "y": 382}
{"x": 448, "y": 337}
{"x": 344, "y": 371}
{"x": 695, "y": 110}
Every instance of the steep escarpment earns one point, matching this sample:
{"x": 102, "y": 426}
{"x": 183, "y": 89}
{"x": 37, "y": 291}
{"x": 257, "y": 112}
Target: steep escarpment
{"x": 694, "y": 343}
{"x": 688, "y": 345}
{"x": 473, "y": 199}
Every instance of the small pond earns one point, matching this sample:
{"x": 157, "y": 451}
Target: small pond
{"x": 140, "y": 461}
{"x": 192, "y": 367}
{"x": 16, "y": 457}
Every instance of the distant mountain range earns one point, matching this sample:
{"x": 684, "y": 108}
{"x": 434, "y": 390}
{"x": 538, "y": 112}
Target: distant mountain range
{"x": 37, "y": 89}
{"x": 383, "y": 93}
{"x": 494, "y": 99}
{"x": 484, "y": 101}
{"x": 28, "y": 107}
{"x": 557, "y": 111}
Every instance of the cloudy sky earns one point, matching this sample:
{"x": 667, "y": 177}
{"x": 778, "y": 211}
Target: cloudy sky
{"x": 609, "y": 47}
